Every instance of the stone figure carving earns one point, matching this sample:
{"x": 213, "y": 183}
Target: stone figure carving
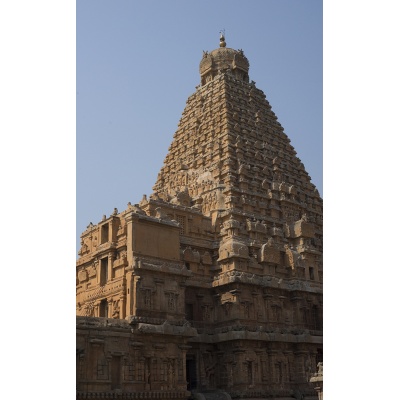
{"x": 115, "y": 313}
{"x": 170, "y": 373}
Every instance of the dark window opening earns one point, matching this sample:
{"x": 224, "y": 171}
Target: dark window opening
{"x": 319, "y": 357}
{"x": 316, "y": 318}
{"x": 305, "y": 319}
{"x": 311, "y": 269}
{"x": 191, "y": 377}
{"x": 189, "y": 312}
{"x": 104, "y": 234}
{"x": 104, "y": 308}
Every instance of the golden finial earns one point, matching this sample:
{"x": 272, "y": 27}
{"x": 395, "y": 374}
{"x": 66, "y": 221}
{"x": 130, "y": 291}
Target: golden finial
{"x": 222, "y": 42}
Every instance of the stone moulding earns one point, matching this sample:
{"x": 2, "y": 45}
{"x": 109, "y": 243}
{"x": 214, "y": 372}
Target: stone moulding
{"x": 167, "y": 329}
{"x": 256, "y": 336}
{"x": 158, "y": 394}
{"x": 264, "y": 281}
{"x": 170, "y": 269}
{"x": 138, "y": 325}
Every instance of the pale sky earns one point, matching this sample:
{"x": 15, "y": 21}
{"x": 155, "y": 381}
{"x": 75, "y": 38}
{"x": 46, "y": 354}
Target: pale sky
{"x": 138, "y": 62}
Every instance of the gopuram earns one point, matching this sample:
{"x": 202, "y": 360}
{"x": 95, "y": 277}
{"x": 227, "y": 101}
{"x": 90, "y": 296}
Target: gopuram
{"x": 210, "y": 287}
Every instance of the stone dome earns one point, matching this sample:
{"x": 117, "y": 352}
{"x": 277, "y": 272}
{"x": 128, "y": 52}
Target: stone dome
{"x": 224, "y": 59}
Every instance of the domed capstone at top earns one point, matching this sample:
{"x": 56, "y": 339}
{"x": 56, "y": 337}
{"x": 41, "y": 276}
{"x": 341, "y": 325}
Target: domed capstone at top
{"x": 224, "y": 59}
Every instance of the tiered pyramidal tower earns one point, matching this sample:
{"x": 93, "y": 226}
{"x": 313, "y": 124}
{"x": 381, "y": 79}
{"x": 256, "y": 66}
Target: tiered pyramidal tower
{"x": 221, "y": 267}
{"x": 231, "y": 159}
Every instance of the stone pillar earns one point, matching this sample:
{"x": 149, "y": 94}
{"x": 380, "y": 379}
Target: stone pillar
{"x": 96, "y": 306}
{"x": 97, "y": 265}
{"x": 258, "y": 375}
{"x": 267, "y": 300}
{"x": 135, "y": 294}
{"x": 109, "y": 308}
{"x": 129, "y": 292}
{"x": 130, "y": 219}
{"x": 110, "y": 267}
{"x": 184, "y": 349}
{"x": 122, "y": 306}
{"x": 271, "y": 363}
{"x": 239, "y": 373}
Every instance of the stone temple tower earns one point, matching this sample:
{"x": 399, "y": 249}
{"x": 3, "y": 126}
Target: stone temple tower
{"x": 213, "y": 284}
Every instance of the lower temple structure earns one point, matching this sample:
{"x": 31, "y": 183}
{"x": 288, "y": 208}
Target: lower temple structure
{"x": 212, "y": 286}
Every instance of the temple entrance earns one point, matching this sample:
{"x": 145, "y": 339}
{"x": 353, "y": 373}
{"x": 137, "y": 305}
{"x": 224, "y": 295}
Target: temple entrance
{"x": 191, "y": 374}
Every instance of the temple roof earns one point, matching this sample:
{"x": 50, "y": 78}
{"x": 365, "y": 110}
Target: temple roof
{"x": 222, "y": 59}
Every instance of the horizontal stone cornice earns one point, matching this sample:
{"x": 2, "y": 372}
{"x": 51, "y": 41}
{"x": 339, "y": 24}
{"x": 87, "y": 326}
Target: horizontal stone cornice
{"x": 235, "y": 276}
{"x": 147, "y": 394}
{"x": 256, "y": 336}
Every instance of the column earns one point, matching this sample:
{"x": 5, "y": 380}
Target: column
{"x": 96, "y": 306}
{"x": 109, "y": 308}
{"x": 122, "y": 306}
{"x": 129, "y": 291}
{"x": 110, "y": 267}
{"x": 135, "y": 294}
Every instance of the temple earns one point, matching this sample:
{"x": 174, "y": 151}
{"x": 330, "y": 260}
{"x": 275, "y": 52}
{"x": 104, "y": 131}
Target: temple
{"x": 210, "y": 287}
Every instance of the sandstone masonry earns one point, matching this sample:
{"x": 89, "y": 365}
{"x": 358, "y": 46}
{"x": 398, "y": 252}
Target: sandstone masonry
{"x": 212, "y": 286}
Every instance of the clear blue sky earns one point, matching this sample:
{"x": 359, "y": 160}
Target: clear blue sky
{"x": 137, "y": 63}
